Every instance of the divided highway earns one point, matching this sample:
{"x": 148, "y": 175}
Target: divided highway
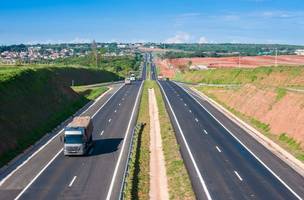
{"x": 96, "y": 176}
{"x": 217, "y": 154}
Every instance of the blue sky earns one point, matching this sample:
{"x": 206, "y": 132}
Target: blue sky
{"x": 239, "y": 21}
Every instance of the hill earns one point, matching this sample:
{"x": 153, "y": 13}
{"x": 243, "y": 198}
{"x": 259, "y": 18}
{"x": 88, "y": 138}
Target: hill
{"x": 35, "y": 100}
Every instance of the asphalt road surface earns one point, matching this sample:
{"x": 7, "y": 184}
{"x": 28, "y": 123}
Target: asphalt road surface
{"x": 220, "y": 167}
{"x": 51, "y": 175}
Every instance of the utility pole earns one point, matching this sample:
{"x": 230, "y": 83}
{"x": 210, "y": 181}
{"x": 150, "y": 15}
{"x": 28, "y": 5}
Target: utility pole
{"x": 95, "y": 53}
{"x": 276, "y": 57}
{"x": 239, "y": 59}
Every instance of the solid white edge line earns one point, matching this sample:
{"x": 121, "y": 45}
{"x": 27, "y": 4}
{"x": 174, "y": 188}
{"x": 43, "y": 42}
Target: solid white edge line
{"x": 123, "y": 145}
{"x": 43, "y": 146}
{"x": 256, "y": 157}
{"x": 107, "y": 101}
{"x": 41, "y": 171}
{"x": 31, "y": 182}
{"x": 218, "y": 149}
{"x": 237, "y": 174}
{"x": 187, "y": 147}
{"x": 72, "y": 181}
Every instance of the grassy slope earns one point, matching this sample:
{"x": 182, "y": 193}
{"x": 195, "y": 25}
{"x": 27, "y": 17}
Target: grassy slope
{"x": 35, "y": 100}
{"x": 236, "y": 75}
{"x": 264, "y": 78}
{"x": 90, "y": 92}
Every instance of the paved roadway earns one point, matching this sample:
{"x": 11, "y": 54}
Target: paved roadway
{"x": 96, "y": 176}
{"x": 220, "y": 167}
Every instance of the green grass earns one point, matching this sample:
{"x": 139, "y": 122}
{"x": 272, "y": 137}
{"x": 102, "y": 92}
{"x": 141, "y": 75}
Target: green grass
{"x": 288, "y": 143}
{"x": 35, "y": 100}
{"x": 138, "y": 179}
{"x": 237, "y": 75}
{"x": 90, "y": 93}
{"x": 179, "y": 183}
{"x": 281, "y": 93}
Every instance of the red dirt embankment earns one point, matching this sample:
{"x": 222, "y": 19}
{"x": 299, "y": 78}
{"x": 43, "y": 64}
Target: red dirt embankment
{"x": 247, "y": 61}
{"x": 283, "y": 116}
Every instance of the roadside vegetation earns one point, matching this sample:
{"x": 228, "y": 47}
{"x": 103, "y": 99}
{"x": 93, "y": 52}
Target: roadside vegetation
{"x": 179, "y": 184}
{"x": 287, "y": 142}
{"x": 138, "y": 180}
{"x": 33, "y": 101}
{"x": 90, "y": 92}
{"x": 242, "y": 75}
{"x": 226, "y": 49}
{"x": 121, "y": 65}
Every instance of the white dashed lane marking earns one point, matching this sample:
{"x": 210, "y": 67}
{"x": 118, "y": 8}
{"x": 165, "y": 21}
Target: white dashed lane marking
{"x": 218, "y": 149}
{"x": 237, "y": 174}
{"x": 72, "y": 181}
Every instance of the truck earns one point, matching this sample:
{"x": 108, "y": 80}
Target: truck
{"x": 127, "y": 81}
{"x": 132, "y": 77}
{"x": 78, "y": 136}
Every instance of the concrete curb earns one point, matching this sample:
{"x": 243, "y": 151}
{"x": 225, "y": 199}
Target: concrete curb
{"x": 285, "y": 156}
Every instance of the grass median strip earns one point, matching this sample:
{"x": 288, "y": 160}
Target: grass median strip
{"x": 178, "y": 179}
{"x": 179, "y": 184}
{"x": 138, "y": 179}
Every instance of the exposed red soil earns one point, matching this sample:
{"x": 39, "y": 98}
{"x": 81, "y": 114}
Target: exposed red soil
{"x": 283, "y": 116}
{"x": 166, "y": 69}
{"x": 247, "y": 61}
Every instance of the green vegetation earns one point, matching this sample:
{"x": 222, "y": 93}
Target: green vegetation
{"x": 138, "y": 179}
{"x": 281, "y": 92}
{"x": 226, "y": 49}
{"x": 240, "y": 76}
{"x": 288, "y": 143}
{"x": 179, "y": 184}
{"x": 138, "y": 182}
{"x": 117, "y": 64}
{"x": 35, "y": 100}
{"x": 90, "y": 93}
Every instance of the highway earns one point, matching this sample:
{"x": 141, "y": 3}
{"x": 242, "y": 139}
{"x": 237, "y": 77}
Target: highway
{"x": 223, "y": 161}
{"x": 96, "y": 176}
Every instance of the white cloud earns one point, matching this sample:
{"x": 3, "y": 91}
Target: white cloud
{"x": 202, "y": 40}
{"x": 180, "y": 37}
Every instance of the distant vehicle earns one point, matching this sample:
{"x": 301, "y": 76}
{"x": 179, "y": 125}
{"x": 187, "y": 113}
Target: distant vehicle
{"x": 127, "y": 81}
{"x": 132, "y": 77}
{"x": 78, "y": 136}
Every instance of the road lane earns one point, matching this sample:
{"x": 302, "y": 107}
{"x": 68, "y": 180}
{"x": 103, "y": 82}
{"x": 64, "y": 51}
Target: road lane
{"x": 94, "y": 172}
{"x": 232, "y": 173}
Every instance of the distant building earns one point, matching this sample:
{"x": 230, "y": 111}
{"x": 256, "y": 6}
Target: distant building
{"x": 300, "y": 52}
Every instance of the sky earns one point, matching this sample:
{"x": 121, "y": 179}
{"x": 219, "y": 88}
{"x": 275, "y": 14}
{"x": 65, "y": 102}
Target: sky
{"x": 171, "y": 21}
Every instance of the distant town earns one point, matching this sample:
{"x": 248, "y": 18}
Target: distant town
{"x": 48, "y": 53}
{"x": 15, "y": 54}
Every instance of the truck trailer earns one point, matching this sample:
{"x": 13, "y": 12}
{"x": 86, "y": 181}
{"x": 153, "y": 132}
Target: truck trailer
{"x": 78, "y": 136}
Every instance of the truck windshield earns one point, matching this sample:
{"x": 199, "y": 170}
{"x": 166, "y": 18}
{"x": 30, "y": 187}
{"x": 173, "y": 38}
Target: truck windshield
{"x": 73, "y": 139}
